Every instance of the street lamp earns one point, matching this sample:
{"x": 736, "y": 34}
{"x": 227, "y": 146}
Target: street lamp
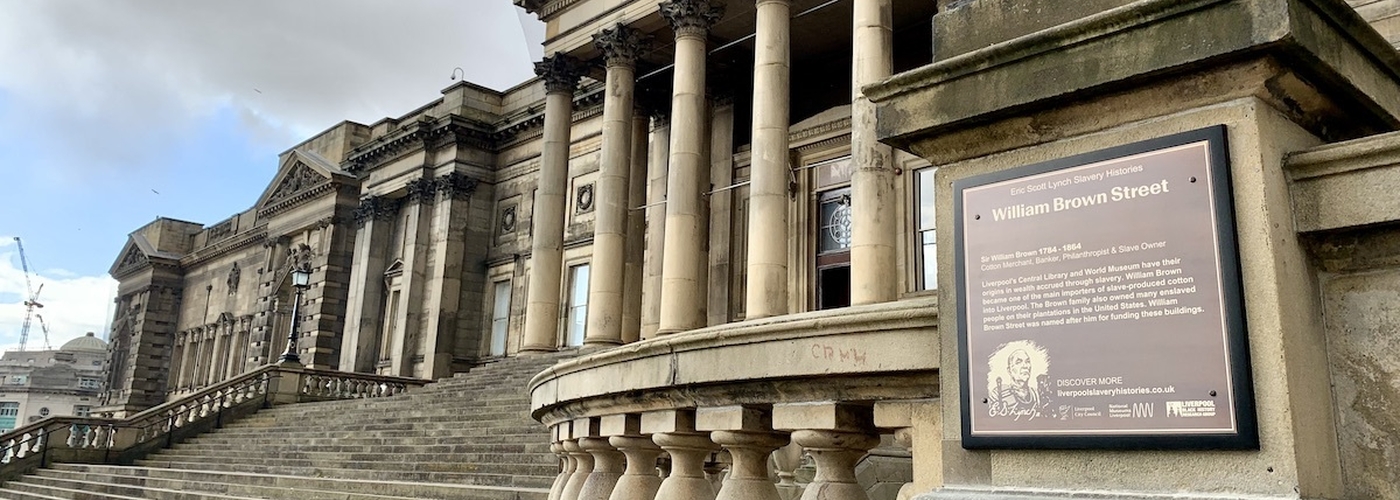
{"x": 301, "y": 278}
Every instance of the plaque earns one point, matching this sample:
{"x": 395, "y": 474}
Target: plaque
{"x": 1099, "y": 302}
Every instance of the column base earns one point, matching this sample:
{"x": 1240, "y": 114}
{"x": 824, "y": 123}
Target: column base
{"x": 538, "y": 349}
{"x": 601, "y": 342}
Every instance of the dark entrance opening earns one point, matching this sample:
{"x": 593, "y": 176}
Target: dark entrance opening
{"x": 834, "y": 287}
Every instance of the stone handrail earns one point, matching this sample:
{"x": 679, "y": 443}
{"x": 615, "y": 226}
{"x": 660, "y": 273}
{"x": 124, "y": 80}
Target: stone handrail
{"x": 830, "y": 381}
{"x": 112, "y": 440}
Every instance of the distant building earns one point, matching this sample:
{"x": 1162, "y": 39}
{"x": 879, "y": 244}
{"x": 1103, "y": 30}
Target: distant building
{"x": 62, "y": 382}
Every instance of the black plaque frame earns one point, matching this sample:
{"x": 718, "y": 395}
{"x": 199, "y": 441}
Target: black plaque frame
{"x": 1246, "y": 436}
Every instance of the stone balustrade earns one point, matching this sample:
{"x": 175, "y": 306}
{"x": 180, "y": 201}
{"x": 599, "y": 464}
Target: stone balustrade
{"x": 727, "y": 397}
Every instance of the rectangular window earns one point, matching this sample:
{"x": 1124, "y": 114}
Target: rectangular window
{"x": 18, "y": 380}
{"x": 926, "y": 240}
{"x": 82, "y": 411}
{"x": 87, "y": 383}
{"x": 9, "y": 412}
{"x": 500, "y": 318}
{"x": 578, "y": 305}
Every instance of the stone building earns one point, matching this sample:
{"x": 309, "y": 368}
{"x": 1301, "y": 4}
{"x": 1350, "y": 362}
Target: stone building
{"x": 59, "y": 382}
{"x": 713, "y": 185}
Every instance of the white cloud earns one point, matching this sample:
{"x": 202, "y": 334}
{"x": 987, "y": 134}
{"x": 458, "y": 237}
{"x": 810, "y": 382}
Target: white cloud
{"x": 73, "y": 305}
{"x": 110, "y": 82}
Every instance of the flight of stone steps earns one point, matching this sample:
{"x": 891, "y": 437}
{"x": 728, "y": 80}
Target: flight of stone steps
{"x": 466, "y": 437}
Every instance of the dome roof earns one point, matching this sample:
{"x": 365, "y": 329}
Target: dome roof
{"x": 87, "y": 342}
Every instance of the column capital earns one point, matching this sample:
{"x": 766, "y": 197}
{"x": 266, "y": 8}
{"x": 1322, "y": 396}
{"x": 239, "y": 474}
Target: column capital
{"x": 422, "y": 190}
{"x": 691, "y": 17}
{"x": 560, "y": 72}
{"x": 374, "y": 208}
{"x": 621, "y": 45}
{"x": 455, "y": 186}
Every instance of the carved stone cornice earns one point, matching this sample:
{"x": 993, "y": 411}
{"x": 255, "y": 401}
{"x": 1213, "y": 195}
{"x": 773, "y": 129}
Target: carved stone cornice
{"x": 426, "y": 130}
{"x": 375, "y": 208}
{"x": 422, "y": 190}
{"x": 621, "y": 45}
{"x": 224, "y": 247}
{"x": 455, "y": 186}
{"x": 298, "y": 198}
{"x": 560, "y": 72}
{"x": 691, "y": 17}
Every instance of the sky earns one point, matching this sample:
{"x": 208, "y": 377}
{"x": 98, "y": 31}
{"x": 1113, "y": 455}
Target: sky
{"x": 115, "y": 112}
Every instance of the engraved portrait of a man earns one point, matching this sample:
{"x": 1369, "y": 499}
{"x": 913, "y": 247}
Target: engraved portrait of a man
{"x": 1019, "y": 394}
{"x": 1018, "y": 380}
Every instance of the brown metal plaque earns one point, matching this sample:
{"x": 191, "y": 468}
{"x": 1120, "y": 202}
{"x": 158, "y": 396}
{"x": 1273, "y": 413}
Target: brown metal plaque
{"x": 1099, "y": 301}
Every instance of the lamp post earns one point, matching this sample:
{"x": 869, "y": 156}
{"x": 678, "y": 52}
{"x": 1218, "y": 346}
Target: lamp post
{"x": 301, "y": 278}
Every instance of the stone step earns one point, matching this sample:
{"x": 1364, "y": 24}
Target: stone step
{"x": 275, "y": 463}
{"x": 296, "y": 453}
{"x": 472, "y": 434}
{"x": 377, "y": 438}
{"x": 516, "y": 414}
{"x": 448, "y": 477}
{"x": 420, "y": 445}
{"x": 291, "y": 487}
{"x": 83, "y": 491}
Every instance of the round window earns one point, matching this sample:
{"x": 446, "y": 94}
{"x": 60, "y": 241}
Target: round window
{"x": 43, "y": 412}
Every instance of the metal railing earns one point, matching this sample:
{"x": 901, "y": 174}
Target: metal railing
{"x": 122, "y": 441}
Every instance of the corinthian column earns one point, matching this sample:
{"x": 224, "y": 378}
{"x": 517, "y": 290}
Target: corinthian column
{"x": 560, "y": 74}
{"x": 767, "y": 293}
{"x": 621, "y": 46}
{"x": 681, "y": 302}
{"x": 874, "y": 209}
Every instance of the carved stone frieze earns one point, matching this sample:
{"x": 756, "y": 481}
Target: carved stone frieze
{"x": 691, "y": 17}
{"x": 375, "y": 208}
{"x": 561, "y": 73}
{"x": 455, "y": 186}
{"x": 300, "y": 178}
{"x": 621, "y": 45}
{"x": 421, "y": 190}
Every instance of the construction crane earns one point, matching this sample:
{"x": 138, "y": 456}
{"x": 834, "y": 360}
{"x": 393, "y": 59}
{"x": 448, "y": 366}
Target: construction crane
{"x": 45, "y": 327}
{"x": 30, "y": 303}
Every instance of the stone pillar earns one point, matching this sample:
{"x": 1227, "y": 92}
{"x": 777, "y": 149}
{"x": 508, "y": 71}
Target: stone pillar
{"x": 767, "y": 291}
{"x": 875, "y": 211}
{"x": 607, "y": 461}
{"x": 621, "y": 46}
{"x": 747, "y": 434}
{"x": 206, "y": 355}
{"x": 837, "y": 435}
{"x": 418, "y": 231}
{"x": 655, "y": 213}
{"x": 681, "y": 303}
{"x": 583, "y": 466}
{"x": 786, "y": 460}
{"x": 640, "y": 481}
{"x": 452, "y": 213}
{"x": 561, "y": 74}
{"x": 675, "y": 432}
{"x": 636, "y": 232}
{"x": 188, "y": 363}
{"x": 359, "y": 350}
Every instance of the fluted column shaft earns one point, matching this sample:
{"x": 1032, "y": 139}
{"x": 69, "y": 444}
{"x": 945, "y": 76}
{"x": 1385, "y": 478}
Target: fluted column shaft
{"x": 874, "y": 208}
{"x": 836, "y": 454}
{"x": 767, "y": 293}
{"x": 547, "y": 216}
{"x": 681, "y": 303}
{"x": 640, "y": 481}
{"x": 187, "y": 363}
{"x": 621, "y": 46}
{"x": 687, "y": 478}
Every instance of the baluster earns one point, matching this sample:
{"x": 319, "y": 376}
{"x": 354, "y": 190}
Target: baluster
{"x": 674, "y": 431}
{"x": 747, "y": 434}
{"x": 9, "y": 451}
{"x": 837, "y": 435}
{"x": 72, "y": 436}
{"x": 640, "y": 481}
{"x": 607, "y": 461}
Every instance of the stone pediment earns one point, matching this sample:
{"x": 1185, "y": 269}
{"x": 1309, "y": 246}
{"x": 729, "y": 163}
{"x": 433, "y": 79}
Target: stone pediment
{"x": 302, "y": 176}
{"x": 138, "y": 253}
